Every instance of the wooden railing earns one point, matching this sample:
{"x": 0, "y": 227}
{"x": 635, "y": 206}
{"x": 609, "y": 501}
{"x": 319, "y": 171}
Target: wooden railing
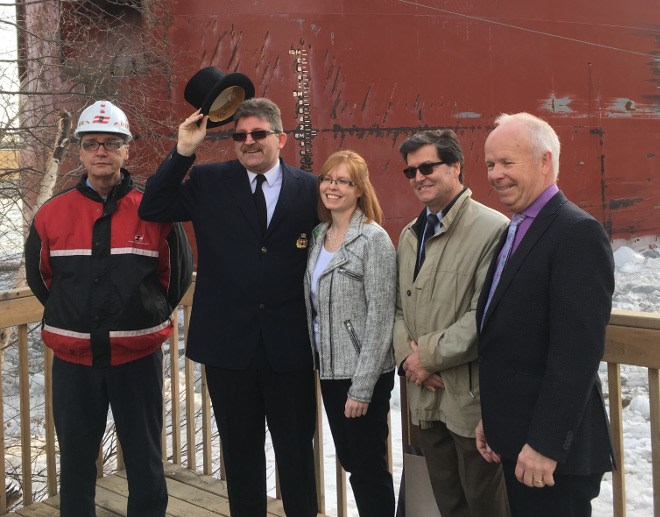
{"x": 632, "y": 338}
{"x": 188, "y": 432}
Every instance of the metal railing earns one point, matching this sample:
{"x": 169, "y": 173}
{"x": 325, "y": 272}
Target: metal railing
{"x": 633, "y": 338}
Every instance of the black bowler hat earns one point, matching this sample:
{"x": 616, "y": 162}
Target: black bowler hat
{"x": 217, "y": 94}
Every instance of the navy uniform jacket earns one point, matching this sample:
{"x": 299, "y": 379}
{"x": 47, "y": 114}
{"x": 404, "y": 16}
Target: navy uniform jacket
{"x": 543, "y": 339}
{"x": 247, "y": 284}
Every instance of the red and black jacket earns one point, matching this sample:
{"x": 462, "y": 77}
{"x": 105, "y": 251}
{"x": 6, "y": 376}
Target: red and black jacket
{"x": 108, "y": 280}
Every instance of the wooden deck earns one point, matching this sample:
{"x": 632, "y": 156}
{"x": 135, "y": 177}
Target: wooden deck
{"x": 190, "y": 495}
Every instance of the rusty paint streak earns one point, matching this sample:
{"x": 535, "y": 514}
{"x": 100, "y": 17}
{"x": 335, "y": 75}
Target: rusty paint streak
{"x": 218, "y": 44}
{"x": 366, "y": 98}
{"x": 264, "y": 74}
{"x": 334, "y": 83}
{"x": 232, "y": 57}
{"x": 333, "y": 113}
{"x": 418, "y": 102}
{"x": 624, "y": 203}
{"x": 390, "y": 104}
{"x": 329, "y": 64}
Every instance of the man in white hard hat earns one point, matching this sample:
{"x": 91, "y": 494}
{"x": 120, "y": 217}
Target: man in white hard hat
{"x": 109, "y": 282}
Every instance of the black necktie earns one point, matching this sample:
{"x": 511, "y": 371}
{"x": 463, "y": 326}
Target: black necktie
{"x": 429, "y": 231}
{"x": 260, "y": 203}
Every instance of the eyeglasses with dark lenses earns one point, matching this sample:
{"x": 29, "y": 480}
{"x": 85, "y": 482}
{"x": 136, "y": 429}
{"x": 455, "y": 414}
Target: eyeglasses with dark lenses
{"x": 259, "y": 134}
{"x": 108, "y": 145}
{"x": 340, "y": 182}
{"x": 424, "y": 168}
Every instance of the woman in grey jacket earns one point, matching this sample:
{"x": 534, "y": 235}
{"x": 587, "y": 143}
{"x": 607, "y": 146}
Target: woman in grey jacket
{"x": 350, "y": 291}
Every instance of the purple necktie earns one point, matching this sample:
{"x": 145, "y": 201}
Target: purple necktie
{"x": 503, "y": 257}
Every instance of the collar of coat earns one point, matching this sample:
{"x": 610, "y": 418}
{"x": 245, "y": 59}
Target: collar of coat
{"x": 353, "y": 232}
{"x": 448, "y": 213}
{"x": 117, "y": 192}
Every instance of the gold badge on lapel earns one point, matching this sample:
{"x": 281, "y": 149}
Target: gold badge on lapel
{"x": 302, "y": 242}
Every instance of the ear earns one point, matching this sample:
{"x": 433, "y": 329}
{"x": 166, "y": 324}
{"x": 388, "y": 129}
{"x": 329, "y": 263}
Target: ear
{"x": 546, "y": 163}
{"x": 123, "y": 151}
{"x": 282, "y": 138}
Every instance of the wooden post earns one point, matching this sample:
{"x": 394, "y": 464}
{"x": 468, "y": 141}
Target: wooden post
{"x": 616, "y": 422}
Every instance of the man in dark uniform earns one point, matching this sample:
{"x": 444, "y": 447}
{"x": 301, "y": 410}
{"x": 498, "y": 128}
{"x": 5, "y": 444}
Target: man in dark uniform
{"x": 252, "y": 218}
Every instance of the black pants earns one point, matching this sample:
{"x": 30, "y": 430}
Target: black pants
{"x": 569, "y": 497}
{"x": 361, "y": 444}
{"x": 241, "y": 400}
{"x": 81, "y": 397}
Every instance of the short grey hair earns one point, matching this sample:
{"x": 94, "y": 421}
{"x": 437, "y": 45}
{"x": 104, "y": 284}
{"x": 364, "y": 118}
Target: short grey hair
{"x": 541, "y": 135}
{"x": 262, "y": 108}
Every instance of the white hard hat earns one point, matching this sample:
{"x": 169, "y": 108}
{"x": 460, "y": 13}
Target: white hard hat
{"x": 103, "y": 117}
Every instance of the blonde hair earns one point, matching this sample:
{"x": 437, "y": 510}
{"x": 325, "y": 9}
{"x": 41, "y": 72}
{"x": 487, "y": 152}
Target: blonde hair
{"x": 359, "y": 173}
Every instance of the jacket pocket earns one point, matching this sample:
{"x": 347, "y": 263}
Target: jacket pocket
{"x": 350, "y": 274}
{"x": 351, "y": 332}
{"x": 457, "y": 381}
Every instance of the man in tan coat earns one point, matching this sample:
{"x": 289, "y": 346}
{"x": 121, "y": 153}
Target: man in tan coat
{"x": 443, "y": 258}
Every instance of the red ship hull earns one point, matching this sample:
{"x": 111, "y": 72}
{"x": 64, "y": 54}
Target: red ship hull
{"x": 366, "y": 74}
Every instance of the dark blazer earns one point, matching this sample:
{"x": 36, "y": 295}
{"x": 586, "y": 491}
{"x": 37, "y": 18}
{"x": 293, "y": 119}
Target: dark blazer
{"x": 247, "y": 284}
{"x": 543, "y": 339}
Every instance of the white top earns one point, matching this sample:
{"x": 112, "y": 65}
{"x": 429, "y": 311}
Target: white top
{"x": 321, "y": 265}
{"x": 271, "y": 188}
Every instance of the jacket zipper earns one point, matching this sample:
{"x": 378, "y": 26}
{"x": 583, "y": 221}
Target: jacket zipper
{"x": 353, "y": 335}
{"x": 351, "y": 274}
{"x": 332, "y": 366}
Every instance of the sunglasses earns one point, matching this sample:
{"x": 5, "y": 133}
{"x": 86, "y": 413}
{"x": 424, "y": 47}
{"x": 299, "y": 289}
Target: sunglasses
{"x": 259, "y": 134}
{"x": 110, "y": 145}
{"x": 424, "y": 168}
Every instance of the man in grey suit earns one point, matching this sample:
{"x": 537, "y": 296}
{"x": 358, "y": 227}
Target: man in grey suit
{"x": 542, "y": 316}
{"x": 252, "y": 218}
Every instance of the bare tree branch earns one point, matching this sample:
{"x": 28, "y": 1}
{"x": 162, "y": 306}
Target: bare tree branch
{"x": 70, "y": 54}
